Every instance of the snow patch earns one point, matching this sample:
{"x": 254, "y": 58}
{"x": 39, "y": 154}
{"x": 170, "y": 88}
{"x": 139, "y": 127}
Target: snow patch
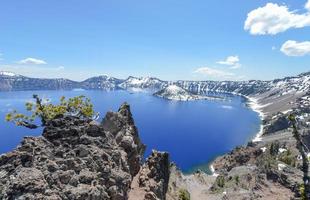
{"x": 6, "y": 73}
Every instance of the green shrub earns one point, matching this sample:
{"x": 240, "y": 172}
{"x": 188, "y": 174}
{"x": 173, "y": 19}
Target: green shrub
{"x": 220, "y": 181}
{"x": 184, "y": 195}
{"x": 237, "y": 180}
{"x": 274, "y": 148}
{"x": 302, "y": 192}
{"x": 288, "y": 158}
{"x": 79, "y": 106}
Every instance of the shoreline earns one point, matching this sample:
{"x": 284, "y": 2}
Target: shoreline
{"x": 213, "y": 171}
{"x": 252, "y": 103}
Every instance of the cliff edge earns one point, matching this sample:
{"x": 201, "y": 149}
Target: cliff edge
{"x": 76, "y": 159}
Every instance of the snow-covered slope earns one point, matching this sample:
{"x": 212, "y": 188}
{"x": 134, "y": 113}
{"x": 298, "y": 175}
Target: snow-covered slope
{"x": 102, "y": 83}
{"x": 143, "y": 83}
{"x": 174, "y": 92}
{"x": 8, "y": 74}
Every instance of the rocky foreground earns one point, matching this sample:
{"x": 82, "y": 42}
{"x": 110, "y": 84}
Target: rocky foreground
{"x": 84, "y": 159}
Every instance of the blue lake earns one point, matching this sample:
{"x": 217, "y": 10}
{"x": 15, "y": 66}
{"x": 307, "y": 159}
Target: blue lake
{"x": 194, "y": 133}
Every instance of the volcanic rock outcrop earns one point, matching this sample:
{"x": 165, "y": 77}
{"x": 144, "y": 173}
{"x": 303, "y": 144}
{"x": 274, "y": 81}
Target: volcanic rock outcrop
{"x": 77, "y": 159}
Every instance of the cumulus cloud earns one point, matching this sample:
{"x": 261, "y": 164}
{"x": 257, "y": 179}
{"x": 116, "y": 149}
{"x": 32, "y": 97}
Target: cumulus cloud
{"x": 232, "y": 61}
{"x": 213, "y": 72}
{"x": 60, "y": 68}
{"x": 32, "y": 61}
{"x": 294, "y": 48}
{"x": 307, "y": 6}
{"x": 273, "y": 19}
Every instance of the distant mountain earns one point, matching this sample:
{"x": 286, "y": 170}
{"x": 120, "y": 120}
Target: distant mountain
{"x": 10, "y": 82}
{"x": 143, "y": 83}
{"x": 102, "y": 83}
{"x": 13, "y": 82}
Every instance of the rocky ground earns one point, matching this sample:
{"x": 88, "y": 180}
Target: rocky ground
{"x": 83, "y": 159}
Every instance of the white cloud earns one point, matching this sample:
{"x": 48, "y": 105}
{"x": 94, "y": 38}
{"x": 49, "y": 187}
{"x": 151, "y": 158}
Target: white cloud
{"x": 232, "y": 61}
{"x": 32, "y": 61}
{"x": 213, "y": 72}
{"x": 60, "y": 68}
{"x": 273, "y": 18}
{"x": 294, "y": 48}
{"x": 307, "y": 6}
{"x": 273, "y": 48}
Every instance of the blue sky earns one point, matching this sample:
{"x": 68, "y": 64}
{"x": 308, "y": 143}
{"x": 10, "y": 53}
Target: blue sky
{"x": 169, "y": 39}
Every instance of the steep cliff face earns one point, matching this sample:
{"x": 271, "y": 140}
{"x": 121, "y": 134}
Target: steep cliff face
{"x": 151, "y": 183}
{"x": 75, "y": 159}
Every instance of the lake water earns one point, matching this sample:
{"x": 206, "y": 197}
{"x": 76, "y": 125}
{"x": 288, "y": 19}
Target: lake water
{"x": 194, "y": 133}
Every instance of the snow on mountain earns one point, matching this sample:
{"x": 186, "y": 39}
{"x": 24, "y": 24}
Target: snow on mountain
{"x": 103, "y": 82}
{"x": 6, "y": 73}
{"x": 143, "y": 83}
{"x": 263, "y": 91}
{"x": 174, "y": 92}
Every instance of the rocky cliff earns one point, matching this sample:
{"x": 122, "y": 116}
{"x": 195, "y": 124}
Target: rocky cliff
{"x": 82, "y": 159}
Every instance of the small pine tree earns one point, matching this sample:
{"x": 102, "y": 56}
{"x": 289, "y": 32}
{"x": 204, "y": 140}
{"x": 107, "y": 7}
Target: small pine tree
{"x": 79, "y": 106}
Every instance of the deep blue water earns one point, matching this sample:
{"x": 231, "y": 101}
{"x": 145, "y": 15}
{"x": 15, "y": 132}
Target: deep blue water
{"x": 193, "y": 132}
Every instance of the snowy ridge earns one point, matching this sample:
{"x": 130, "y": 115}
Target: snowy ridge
{"x": 143, "y": 83}
{"x": 280, "y": 87}
{"x": 6, "y": 73}
{"x": 103, "y": 82}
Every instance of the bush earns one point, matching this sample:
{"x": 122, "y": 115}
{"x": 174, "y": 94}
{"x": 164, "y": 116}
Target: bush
{"x": 79, "y": 106}
{"x": 184, "y": 195}
{"x": 288, "y": 158}
{"x": 220, "y": 181}
{"x": 237, "y": 180}
{"x": 302, "y": 192}
{"x": 274, "y": 148}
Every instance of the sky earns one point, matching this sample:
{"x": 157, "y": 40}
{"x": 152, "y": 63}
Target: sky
{"x": 168, "y": 39}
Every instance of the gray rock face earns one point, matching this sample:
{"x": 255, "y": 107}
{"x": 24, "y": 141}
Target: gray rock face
{"x": 75, "y": 159}
{"x": 151, "y": 183}
{"x": 154, "y": 176}
{"x": 279, "y": 123}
